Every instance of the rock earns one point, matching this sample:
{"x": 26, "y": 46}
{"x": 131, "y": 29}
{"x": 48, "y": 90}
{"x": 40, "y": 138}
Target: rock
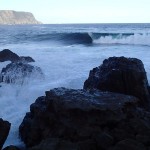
{"x": 11, "y": 147}
{"x": 53, "y": 144}
{"x": 26, "y": 59}
{"x": 7, "y": 55}
{"x": 149, "y": 89}
{"x": 104, "y": 140}
{"x": 20, "y": 73}
{"x": 145, "y": 139}
{"x": 121, "y": 75}
{"x": 129, "y": 144}
{"x": 76, "y": 116}
{"x": 4, "y": 130}
{"x": 11, "y": 17}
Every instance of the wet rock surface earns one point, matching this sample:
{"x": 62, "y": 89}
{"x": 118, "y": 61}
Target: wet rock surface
{"x": 97, "y": 117}
{"x": 20, "y": 73}
{"x": 4, "y": 130}
{"x": 80, "y": 118}
{"x": 26, "y": 59}
{"x": 121, "y": 75}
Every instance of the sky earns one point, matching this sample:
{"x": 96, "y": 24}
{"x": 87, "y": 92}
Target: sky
{"x": 83, "y": 11}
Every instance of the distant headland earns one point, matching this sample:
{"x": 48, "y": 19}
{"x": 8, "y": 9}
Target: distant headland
{"x": 11, "y": 17}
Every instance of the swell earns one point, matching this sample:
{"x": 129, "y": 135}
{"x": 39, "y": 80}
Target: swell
{"x": 65, "y": 38}
{"x": 81, "y": 38}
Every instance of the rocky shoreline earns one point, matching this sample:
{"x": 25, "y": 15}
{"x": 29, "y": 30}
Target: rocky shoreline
{"x": 111, "y": 112}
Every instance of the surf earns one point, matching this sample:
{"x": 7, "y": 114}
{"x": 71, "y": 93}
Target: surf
{"x": 121, "y": 38}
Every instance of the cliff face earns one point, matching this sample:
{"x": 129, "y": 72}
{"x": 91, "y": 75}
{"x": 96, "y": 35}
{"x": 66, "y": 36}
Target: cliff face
{"x": 11, "y": 17}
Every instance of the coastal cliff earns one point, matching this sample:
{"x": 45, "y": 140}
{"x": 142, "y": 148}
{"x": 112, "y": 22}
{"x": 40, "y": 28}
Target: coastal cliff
{"x": 10, "y": 17}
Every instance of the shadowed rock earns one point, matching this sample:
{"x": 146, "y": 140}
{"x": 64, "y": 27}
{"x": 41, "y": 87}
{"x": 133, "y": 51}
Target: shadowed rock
{"x": 4, "y": 130}
{"x": 129, "y": 144}
{"x": 11, "y": 147}
{"x": 7, "y": 55}
{"x": 77, "y": 117}
{"x": 121, "y": 75}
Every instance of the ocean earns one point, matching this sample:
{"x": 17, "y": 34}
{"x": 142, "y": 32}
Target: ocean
{"x": 65, "y": 53}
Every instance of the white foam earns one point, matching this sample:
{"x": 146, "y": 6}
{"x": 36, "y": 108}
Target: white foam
{"x": 64, "y": 66}
{"x": 136, "y": 39}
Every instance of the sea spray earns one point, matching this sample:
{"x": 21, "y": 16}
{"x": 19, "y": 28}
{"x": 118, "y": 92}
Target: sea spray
{"x": 63, "y": 64}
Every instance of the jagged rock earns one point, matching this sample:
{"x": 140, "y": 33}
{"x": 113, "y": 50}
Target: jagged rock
{"x": 121, "y": 75}
{"x": 7, "y": 55}
{"x": 26, "y": 59}
{"x": 11, "y": 17}
{"x": 19, "y": 72}
{"x": 104, "y": 140}
{"x": 11, "y": 147}
{"x": 4, "y": 130}
{"x": 53, "y": 144}
{"x": 79, "y": 117}
{"x": 129, "y": 144}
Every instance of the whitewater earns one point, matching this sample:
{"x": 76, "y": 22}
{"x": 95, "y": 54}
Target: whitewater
{"x": 66, "y": 54}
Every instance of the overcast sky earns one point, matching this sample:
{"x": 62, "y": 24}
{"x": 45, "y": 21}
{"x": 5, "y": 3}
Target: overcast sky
{"x": 83, "y": 11}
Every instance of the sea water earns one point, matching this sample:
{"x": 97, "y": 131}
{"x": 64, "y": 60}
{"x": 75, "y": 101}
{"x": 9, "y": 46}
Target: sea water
{"x": 66, "y": 54}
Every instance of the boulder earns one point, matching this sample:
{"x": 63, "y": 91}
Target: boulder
{"x": 121, "y": 75}
{"x": 26, "y": 59}
{"x": 11, "y": 147}
{"x": 82, "y": 119}
{"x": 129, "y": 144}
{"x": 53, "y": 144}
{"x": 19, "y": 73}
{"x": 4, "y": 130}
{"x": 7, "y": 55}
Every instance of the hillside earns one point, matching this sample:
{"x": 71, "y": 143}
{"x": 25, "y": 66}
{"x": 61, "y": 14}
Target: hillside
{"x": 10, "y": 17}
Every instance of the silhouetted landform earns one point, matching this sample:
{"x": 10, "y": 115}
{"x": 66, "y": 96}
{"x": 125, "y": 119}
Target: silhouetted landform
{"x": 10, "y": 17}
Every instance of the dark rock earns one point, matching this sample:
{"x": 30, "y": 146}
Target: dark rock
{"x": 4, "y": 130}
{"x": 104, "y": 141}
{"x": 76, "y": 116}
{"x": 149, "y": 89}
{"x": 53, "y": 144}
{"x": 7, "y": 55}
{"x": 26, "y": 59}
{"x": 11, "y": 147}
{"x": 145, "y": 139}
{"x": 129, "y": 144}
{"x": 20, "y": 73}
{"x": 87, "y": 145}
{"x": 121, "y": 75}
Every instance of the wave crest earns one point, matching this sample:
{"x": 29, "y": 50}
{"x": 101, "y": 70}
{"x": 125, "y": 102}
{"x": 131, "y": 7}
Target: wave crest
{"x": 121, "y": 38}
{"x": 69, "y": 38}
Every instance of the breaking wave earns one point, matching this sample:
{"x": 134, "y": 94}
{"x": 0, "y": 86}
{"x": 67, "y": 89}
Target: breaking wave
{"x": 121, "y": 38}
{"x": 82, "y": 38}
